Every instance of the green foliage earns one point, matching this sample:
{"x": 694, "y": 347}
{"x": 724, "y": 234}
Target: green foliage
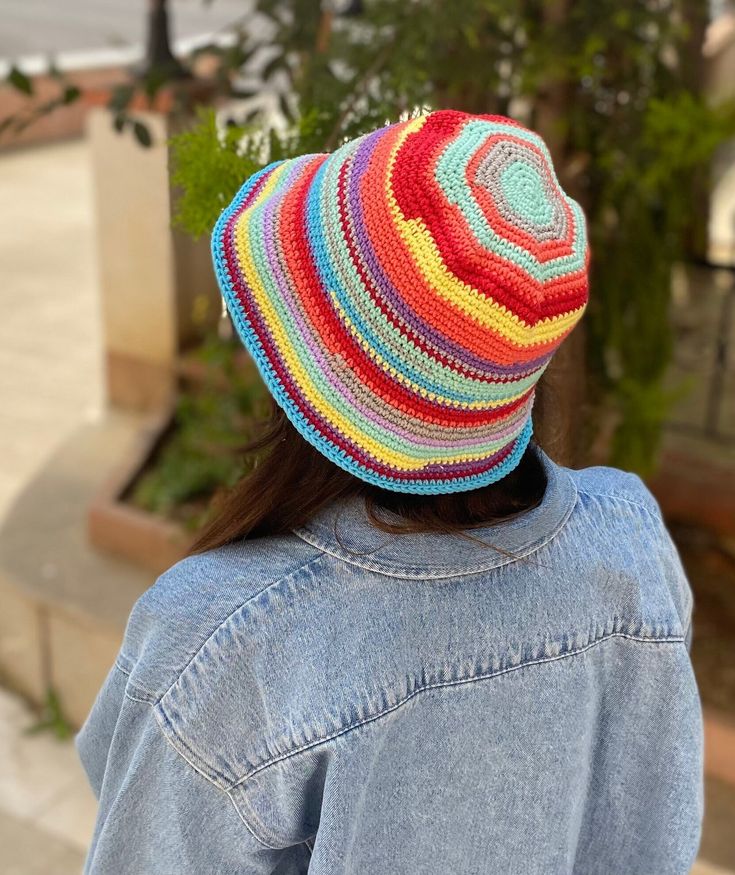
{"x": 212, "y": 422}
{"x": 210, "y": 162}
{"x": 610, "y": 85}
{"x": 145, "y": 86}
{"x": 209, "y": 166}
{"x": 52, "y": 718}
{"x": 142, "y": 134}
{"x": 18, "y": 80}
{"x": 643, "y": 408}
{"x": 680, "y": 135}
{"x": 639, "y": 218}
{"x": 36, "y": 109}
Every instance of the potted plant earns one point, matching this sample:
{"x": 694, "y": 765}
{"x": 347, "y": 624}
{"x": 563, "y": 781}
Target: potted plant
{"x": 150, "y": 509}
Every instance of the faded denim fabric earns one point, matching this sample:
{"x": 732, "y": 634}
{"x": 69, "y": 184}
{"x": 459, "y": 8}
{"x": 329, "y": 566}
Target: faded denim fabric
{"x": 341, "y": 700}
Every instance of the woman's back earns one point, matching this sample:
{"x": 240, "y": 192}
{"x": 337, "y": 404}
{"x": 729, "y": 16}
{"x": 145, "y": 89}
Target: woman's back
{"x": 345, "y": 700}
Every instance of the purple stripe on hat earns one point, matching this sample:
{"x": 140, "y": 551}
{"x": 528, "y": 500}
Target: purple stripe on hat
{"x": 270, "y": 218}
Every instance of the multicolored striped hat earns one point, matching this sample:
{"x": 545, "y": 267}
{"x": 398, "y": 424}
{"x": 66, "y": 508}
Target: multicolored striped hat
{"x": 403, "y": 295}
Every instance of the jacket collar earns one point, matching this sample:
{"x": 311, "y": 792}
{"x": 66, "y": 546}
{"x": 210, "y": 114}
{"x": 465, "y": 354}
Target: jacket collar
{"x": 344, "y": 530}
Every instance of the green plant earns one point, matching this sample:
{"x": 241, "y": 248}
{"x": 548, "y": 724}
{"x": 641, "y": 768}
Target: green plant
{"x": 210, "y": 163}
{"x": 614, "y": 87}
{"x": 213, "y": 419}
{"x": 52, "y": 718}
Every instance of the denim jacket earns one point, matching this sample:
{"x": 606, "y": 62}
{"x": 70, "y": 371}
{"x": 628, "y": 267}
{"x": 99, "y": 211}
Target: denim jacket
{"x": 344, "y": 701}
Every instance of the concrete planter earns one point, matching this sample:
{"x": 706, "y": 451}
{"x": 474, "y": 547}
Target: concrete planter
{"x": 117, "y": 527}
{"x": 159, "y": 295}
{"x": 64, "y": 603}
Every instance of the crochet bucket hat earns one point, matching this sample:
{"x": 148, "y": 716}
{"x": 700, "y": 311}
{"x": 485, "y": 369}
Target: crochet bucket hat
{"x": 402, "y": 296}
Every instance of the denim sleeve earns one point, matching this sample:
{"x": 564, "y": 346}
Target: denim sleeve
{"x": 157, "y": 815}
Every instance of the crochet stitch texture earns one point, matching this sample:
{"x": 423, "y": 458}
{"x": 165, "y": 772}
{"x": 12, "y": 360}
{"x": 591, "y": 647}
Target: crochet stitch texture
{"x": 402, "y": 296}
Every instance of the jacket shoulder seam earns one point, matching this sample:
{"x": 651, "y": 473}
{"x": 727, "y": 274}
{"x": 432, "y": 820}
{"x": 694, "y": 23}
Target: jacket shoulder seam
{"x": 168, "y": 740}
{"x": 664, "y": 640}
{"x": 655, "y": 514}
{"x": 180, "y": 753}
{"x": 180, "y": 672}
{"x": 133, "y": 690}
{"x": 595, "y": 494}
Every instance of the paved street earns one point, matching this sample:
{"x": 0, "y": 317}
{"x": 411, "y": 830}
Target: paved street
{"x": 47, "y": 810}
{"x": 40, "y": 27}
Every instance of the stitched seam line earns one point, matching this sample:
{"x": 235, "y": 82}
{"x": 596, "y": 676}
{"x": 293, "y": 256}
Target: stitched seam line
{"x": 232, "y": 613}
{"x": 271, "y": 840}
{"x": 179, "y": 753}
{"x": 143, "y": 695}
{"x": 249, "y": 828}
{"x": 200, "y": 764}
{"x": 637, "y": 504}
{"x": 656, "y": 516}
{"x": 127, "y": 671}
{"x": 454, "y": 683}
{"x": 175, "y": 747}
{"x": 408, "y": 571}
{"x": 189, "y": 753}
{"x": 141, "y": 699}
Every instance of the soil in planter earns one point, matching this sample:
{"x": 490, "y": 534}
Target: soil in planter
{"x": 187, "y": 468}
{"x": 173, "y": 485}
{"x": 710, "y": 566}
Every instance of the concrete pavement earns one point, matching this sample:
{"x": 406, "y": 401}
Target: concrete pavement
{"x": 47, "y": 810}
{"x": 50, "y": 381}
{"x": 50, "y": 351}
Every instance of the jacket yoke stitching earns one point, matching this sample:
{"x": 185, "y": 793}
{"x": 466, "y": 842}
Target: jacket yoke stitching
{"x": 673, "y": 639}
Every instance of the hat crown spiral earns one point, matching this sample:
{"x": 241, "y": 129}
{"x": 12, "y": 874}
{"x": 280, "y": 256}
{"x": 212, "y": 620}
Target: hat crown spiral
{"x": 403, "y": 295}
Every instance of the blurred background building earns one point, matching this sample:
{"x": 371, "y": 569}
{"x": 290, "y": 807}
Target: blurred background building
{"x": 124, "y": 126}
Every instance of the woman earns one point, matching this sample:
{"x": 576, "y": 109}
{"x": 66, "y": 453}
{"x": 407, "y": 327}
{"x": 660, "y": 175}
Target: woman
{"x": 410, "y": 642}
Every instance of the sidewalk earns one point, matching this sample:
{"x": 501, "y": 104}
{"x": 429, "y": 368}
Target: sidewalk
{"x": 50, "y": 382}
{"x": 47, "y": 810}
{"x": 50, "y": 357}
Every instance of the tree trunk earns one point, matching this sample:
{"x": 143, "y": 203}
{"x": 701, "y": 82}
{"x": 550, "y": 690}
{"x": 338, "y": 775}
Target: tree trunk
{"x": 559, "y": 415}
{"x": 696, "y": 15}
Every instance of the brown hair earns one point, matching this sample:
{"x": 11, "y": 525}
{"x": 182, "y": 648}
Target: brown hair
{"x": 291, "y": 481}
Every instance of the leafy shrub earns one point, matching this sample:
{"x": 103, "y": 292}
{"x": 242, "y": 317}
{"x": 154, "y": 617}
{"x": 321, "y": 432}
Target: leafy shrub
{"x": 202, "y": 453}
{"x": 614, "y": 87}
